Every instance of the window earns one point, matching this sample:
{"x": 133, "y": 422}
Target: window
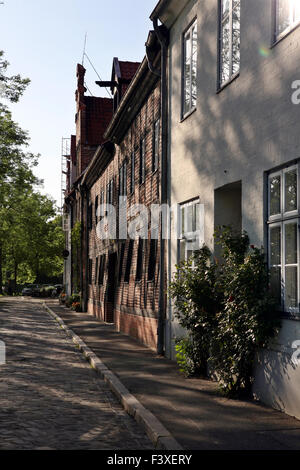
{"x": 152, "y": 259}
{"x": 189, "y": 79}
{"x": 128, "y": 262}
{"x": 155, "y": 156}
{"x": 190, "y": 229}
{"x": 132, "y": 177}
{"x": 140, "y": 260}
{"x": 283, "y": 234}
{"x": 122, "y": 252}
{"x": 96, "y": 209}
{"x": 101, "y": 269}
{"x": 96, "y": 270}
{"x": 109, "y": 192}
{"x": 287, "y": 15}
{"x": 90, "y": 216}
{"x": 90, "y": 271}
{"x": 101, "y": 211}
{"x": 229, "y": 40}
{"x": 123, "y": 179}
{"x": 142, "y": 160}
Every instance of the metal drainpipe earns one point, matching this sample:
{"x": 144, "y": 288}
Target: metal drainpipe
{"x": 87, "y": 251}
{"x": 84, "y": 255}
{"x": 163, "y": 186}
{"x": 81, "y": 240}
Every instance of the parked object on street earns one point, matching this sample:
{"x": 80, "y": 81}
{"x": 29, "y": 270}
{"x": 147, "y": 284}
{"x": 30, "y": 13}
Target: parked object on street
{"x": 29, "y": 290}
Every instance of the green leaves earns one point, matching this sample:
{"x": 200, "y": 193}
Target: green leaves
{"x": 13, "y": 87}
{"x": 33, "y": 239}
{"x": 227, "y": 309}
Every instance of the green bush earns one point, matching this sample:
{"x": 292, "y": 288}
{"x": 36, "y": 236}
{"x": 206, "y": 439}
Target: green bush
{"x": 188, "y": 356}
{"x": 197, "y": 300}
{"x": 227, "y": 310}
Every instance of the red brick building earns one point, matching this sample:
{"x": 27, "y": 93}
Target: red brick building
{"x": 119, "y": 276}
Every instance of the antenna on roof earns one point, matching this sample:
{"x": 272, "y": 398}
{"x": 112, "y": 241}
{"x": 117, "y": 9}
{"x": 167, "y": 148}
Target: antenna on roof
{"x": 85, "y": 84}
{"x": 109, "y": 94}
{"x": 84, "y": 48}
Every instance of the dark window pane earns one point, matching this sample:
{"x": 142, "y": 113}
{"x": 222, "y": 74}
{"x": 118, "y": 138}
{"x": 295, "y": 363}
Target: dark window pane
{"x": 291, "y": 295}
{"x": 275, "y": 246}
{"x": 129, "y": 260}
{"x": 291, "y": 231}
{"x": 140, "y": 259}
{"x": 290, "y": 189}
{"x": 182, "y": 247}
{"x": 275, "y": 284}
{"x": 152, "y": 259}
{"x": 121, "y": 261}
{"x": 275, "y": 195}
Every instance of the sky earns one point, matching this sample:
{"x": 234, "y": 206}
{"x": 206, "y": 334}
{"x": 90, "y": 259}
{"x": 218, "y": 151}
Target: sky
{"x": 44, "y": 40}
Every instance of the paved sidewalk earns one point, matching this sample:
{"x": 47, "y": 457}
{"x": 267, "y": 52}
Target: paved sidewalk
{"x": 50, "y": 397}
{"x": 190, "y": 409}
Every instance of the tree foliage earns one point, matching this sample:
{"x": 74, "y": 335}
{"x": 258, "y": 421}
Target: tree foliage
{"x": 12, "y": 87}
{"x": 30, "y": 235}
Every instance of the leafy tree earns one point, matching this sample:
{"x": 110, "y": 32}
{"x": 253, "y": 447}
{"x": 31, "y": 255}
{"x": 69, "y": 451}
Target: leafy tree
{"x": 12, "y": 87}
{"x": 36, "y": 239}
{"x": 16, "y": 166}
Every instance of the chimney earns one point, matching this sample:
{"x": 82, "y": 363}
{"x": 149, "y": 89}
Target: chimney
{"x": 80, "y": 84}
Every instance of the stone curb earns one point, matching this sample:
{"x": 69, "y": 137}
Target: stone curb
{"x": 157, "y": 433}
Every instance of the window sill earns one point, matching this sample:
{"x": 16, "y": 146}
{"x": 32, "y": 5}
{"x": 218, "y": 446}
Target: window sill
{"x": 285, "y": 33}
{"x": 186, "y": 115}
{"x": 226, "y": 84}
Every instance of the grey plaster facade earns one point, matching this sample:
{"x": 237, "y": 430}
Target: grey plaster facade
{"x": 223, "y": 150}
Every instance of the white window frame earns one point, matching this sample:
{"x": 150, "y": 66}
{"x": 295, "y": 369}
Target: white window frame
{"x": 281, "y": 220}
{"x": 193, "y": 239}
{"x": 232, "y": 75}
{"x": 188, "y": 32}
{"x": 293, "y": 21}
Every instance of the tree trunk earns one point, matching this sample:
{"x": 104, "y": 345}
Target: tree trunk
{"x": 15, "y": 276}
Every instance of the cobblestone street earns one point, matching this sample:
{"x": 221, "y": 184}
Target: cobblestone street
{"x": 50, "y": 398}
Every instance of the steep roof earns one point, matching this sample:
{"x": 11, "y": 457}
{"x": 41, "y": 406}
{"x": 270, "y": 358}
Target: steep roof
{"x": 128, "y": 69}
{"x": 99, "y": 113}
